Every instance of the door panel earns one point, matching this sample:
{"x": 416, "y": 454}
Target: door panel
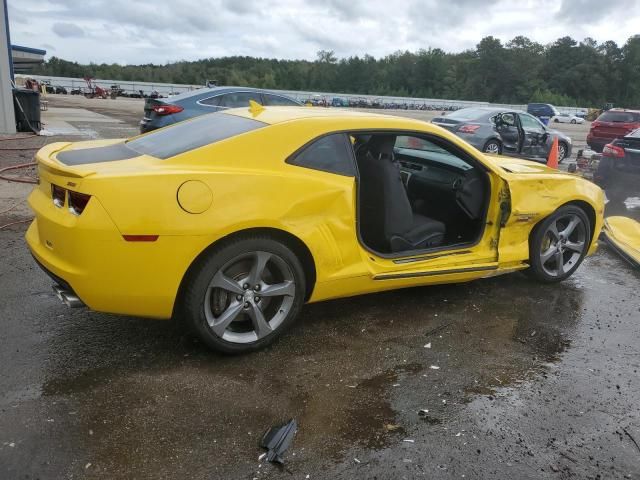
{"x": 534, "y": 144}
{"x": 509, "y": 133}
{"x": 451, "y": 262}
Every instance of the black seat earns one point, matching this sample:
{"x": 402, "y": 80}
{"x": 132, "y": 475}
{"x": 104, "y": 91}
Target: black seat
{"x": 388, "y": 223}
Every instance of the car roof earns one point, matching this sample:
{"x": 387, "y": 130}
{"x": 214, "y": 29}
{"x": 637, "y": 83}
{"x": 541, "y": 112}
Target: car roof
{"x": 216, "y": 91}
{"x": 273, "y": 115}
{"x": 623, "y": 110}
{"x": 491, "y": 110}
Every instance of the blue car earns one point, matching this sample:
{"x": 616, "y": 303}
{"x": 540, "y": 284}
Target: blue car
{"x": 160, "y": 113}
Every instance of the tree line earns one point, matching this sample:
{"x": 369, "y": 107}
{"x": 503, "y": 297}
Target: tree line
{"x": 565, "y": 72}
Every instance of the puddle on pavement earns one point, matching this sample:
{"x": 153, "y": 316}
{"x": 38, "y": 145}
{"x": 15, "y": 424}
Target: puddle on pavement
{"x": 354, "y": 373}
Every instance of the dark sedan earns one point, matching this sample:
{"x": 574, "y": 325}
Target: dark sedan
{"x": 503, "y": 131}
{"x": 621, "y": 155}
{"x": 159, "y": 113}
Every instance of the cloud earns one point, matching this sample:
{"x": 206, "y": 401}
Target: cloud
{"x": 67, "y": 30}
{"x": 592, "y": 11}
{"x": 171, "y": 30}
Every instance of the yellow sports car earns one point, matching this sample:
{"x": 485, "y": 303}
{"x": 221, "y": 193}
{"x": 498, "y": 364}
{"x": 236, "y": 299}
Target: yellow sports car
{"x": 232, "y": 221}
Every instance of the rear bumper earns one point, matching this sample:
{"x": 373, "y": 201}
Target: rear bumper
{"x": 146, "y": 126}
{"x": 597, "y": 143}
{"x": 89, "y": 258}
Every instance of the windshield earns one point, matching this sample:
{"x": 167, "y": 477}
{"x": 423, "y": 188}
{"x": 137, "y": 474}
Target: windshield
{"x": 423, "y": 148}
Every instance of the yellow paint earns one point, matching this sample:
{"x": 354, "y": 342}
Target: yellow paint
{"x": 624, "y": 233}
{"x": 252, "y": 186}
{"x": 194, "y": 196}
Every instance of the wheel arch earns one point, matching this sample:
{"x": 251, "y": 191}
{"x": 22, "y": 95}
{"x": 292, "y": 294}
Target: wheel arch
{"x": 494, "y": 138}
{"x": 588, "y": 209}
{"x": 298, "y": 247}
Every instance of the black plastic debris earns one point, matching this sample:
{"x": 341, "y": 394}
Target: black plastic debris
{"x": 278, "y": 439}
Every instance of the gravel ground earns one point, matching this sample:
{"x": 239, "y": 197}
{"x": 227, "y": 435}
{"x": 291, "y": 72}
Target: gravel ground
{"x": 533, "y": 381}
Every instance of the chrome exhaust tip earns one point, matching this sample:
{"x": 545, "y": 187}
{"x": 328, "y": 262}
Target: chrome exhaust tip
{"x": 70, "y": 299}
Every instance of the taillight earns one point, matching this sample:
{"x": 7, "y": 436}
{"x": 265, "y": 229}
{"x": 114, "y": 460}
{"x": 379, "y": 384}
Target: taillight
{"x": 77, "y": 202}
{"x": 468, "y": 128}
{"x": 167, "y": 109}
{"x": 610, "y": 150}
{"x": 58, "y": 194}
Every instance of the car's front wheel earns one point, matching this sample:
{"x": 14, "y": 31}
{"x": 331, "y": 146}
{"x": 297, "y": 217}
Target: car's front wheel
{"x": 562, "y": 151}
{"x": 558, "y": 244}
{"x": 244, "y": 294}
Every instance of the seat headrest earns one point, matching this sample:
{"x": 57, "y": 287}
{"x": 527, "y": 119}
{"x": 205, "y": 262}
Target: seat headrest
{"x": 382, "y": 145}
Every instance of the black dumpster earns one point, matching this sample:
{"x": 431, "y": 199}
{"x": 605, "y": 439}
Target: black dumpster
{"x": 26, "y": 103}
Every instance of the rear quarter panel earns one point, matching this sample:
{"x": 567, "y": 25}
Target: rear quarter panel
{"x": 251, "y": 187}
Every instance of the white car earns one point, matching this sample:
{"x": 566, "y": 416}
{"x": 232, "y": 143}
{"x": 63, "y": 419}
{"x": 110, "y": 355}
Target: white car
{"x": 567, "y": 118}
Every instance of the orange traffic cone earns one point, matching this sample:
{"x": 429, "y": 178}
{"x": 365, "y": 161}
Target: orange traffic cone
{"x": 552, "y": 159}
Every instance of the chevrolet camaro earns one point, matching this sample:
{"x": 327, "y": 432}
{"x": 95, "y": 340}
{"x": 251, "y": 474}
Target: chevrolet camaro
{"x": 232, "y": 221}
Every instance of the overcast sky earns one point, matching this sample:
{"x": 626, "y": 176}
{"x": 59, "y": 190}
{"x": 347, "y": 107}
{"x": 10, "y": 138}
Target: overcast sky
{"x": 160, "y": 31}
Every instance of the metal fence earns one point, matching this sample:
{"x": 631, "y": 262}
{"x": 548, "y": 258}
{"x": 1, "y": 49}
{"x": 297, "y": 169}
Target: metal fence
{"x": 415, "y": 103}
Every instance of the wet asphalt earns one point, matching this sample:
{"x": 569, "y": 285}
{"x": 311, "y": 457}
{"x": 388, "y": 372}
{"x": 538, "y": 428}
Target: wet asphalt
{"x": 532, "y": 381}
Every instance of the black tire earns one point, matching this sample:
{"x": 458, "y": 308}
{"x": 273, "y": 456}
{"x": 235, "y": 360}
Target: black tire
{"x": 574, "y": 121}
{"x": 492, "y": 144}
{"x": 566, "y": 149}
{"x": 556, "y": 120}
{"x": 192, "y": 306}
{"x": 539, "y": 237}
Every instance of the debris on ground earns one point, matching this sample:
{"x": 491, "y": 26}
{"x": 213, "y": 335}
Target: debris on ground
{"x": 437, "y": 329}
{"x": 428, "y": 345}
{"x": 278, "y": 439}
{"x": 423, "y": 412}
{"x": 434, "y": 367}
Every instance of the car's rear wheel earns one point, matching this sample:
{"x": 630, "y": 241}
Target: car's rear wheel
{"x": 244, "y": 295}
{"x": 574, "y": 121}
{"x": 559, "y": 244}
{"x": 493, "y": 146}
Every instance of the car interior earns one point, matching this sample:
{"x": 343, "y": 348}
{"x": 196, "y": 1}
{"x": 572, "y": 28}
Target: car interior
{"x": 418, "y": 193}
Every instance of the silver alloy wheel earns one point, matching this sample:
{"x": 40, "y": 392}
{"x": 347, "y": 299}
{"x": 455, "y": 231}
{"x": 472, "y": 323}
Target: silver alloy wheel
{"x": 563, "y": 244}
{"x": 249, "y": 297}
{"x": 562, "y": 152}
{"x": 492, "y": 147}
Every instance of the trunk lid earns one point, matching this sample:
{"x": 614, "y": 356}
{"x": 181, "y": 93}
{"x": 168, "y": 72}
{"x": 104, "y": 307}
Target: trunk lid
{"x": 448, "y": 123}
{"x": 149, "y": 103}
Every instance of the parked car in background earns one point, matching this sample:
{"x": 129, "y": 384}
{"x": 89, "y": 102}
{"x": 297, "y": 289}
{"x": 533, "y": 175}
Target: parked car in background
{"x": 543, "y": 111}
{"x": 621, "y": 155}
{"x": 509, "y": 132}
{"x": 567, "y": 118}
{"x": 159, "y": 113}
{"x": 612, "y": 124}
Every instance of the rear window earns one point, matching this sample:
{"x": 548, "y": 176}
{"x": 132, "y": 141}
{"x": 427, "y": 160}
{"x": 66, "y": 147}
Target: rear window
{"x": 619, "y": 117}
{"x": 467, "y": 114}
{"x": 192, "y": 134}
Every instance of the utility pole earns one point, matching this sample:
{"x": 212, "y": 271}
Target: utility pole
{"x": 7, "y": 115}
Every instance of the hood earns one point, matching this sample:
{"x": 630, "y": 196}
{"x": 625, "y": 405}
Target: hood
{"x": 518, "y": 165}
